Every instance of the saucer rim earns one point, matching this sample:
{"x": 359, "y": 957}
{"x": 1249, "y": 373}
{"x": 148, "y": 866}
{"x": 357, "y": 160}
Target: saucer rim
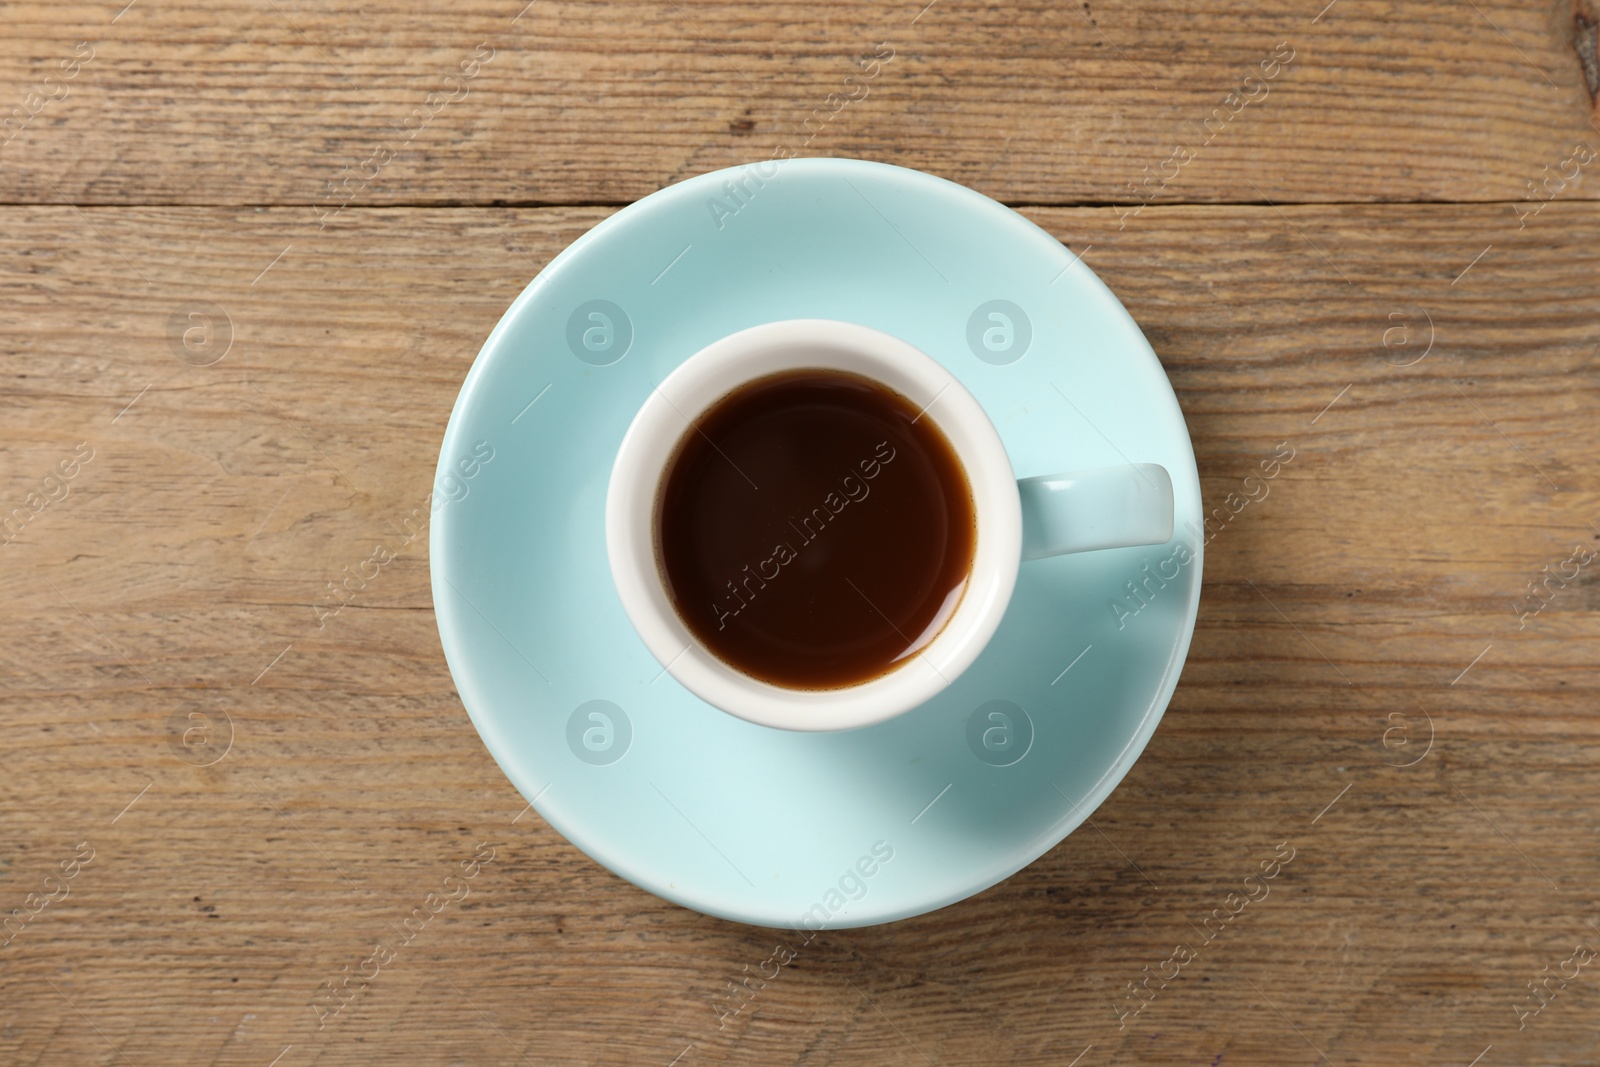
{"x": 748, "y": 910}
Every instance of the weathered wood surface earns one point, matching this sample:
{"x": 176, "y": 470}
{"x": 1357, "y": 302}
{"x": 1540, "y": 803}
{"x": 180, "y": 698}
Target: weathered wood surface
{"x": 1339, "y": 613}
{"x": 1371, "y": 197}
{"x": 295, "y": 102}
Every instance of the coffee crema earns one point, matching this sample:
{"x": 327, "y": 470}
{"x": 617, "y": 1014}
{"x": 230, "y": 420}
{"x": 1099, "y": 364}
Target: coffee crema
{"x": 814, "y": 529}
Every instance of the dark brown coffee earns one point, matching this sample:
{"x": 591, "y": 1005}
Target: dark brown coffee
{"x": 814, "y": 529}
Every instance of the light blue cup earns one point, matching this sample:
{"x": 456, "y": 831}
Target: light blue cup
{"x": 838, "y": 827}
{"x": 1047, "y": 515}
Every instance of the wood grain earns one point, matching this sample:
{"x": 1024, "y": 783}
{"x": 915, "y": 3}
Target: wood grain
{"x": 1340, "y": 614}
{"x": 1344, "y": 264}
{"x": 293, "y": 102}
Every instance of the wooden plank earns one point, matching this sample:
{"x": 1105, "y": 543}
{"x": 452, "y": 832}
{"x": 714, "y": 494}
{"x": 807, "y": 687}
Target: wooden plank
{"x": 1368, "y": 594}
{"x": 291, "y": 102}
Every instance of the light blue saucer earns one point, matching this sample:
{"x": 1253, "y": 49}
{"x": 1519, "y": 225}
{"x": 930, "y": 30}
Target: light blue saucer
{"x": 760, "y": 825}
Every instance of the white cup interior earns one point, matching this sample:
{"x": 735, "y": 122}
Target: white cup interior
{"x": 711, "y": 374}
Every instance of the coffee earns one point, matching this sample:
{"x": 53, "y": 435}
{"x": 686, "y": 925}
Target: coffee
{"x": 814, "y": 529}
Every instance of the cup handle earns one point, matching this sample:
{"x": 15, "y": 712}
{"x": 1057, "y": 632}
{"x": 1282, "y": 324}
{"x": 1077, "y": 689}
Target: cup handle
{"x": 1112, "y": 507}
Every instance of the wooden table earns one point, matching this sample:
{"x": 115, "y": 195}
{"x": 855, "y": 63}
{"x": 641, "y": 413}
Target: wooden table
{"x": 248, "y": 252}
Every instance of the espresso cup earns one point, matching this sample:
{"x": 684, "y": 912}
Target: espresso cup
{"x": 1049, "y": 515}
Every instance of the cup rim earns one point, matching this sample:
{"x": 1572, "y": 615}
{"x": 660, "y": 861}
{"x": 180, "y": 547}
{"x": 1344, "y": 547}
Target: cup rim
{"x": 711, "y": 374}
